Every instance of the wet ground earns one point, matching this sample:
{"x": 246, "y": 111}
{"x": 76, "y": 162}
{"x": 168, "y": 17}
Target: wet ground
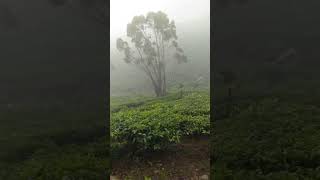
{"x": 189, "y": 160}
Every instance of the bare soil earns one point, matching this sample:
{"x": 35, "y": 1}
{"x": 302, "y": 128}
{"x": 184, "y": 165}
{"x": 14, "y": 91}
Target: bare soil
{"x": 188, "y": 160}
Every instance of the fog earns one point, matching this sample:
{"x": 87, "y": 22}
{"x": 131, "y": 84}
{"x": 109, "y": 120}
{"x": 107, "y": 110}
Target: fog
{"x": 193, "y": 31}
{"x": 50, "y": 54}
{"x": 247, "y": 35}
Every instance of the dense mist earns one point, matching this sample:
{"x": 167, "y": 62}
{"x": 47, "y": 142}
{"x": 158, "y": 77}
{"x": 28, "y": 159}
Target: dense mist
{"x": 51, "y": 55}
{"x": 266, "y": 89}
{"x": 250, "y": 35}
{"x": 193, "y": 37}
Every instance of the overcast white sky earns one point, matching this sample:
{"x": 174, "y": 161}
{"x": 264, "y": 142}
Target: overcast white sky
{"x": 122, "y": 12}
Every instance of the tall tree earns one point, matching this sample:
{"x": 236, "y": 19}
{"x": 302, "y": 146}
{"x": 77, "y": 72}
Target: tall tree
{"x": 153, "y": 38}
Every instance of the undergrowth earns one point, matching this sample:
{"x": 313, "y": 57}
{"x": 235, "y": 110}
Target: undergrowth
{"x": 267, "y": 138}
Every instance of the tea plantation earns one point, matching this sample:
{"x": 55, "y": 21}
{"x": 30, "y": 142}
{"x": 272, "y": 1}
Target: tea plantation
{"x": 272, "y": 137}
{"x": 138, "y": 125}
{"x": 162, "y": 122}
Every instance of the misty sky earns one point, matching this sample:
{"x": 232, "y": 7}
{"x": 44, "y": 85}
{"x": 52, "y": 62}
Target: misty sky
{"x": 192, "y": 20}
{"x": 181, "y": 11}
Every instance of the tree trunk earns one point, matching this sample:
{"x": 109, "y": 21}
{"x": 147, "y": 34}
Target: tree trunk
{"x": 158, "y": 81}
{"x": 160, "y": 86}
{"x": 157, "y": 91}
{"x": 160, "y": 89}
{"x": 164, "y": 82}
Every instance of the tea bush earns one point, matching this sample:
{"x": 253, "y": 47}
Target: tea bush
{"x": 271, "y": 138}
{"x": 156, "y": 125}
{"x": 88, "y": 162}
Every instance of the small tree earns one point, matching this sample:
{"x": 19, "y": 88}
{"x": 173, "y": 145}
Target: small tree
{"x": 229, "y": 79}
{"x": 153, "y": 37}
{"x": 197, "y": 82}
{"x": 180, "y": 87}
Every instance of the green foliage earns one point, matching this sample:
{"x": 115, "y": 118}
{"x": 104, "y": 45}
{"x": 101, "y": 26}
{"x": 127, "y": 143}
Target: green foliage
{"x": 153, "y": 37}
{"x": 150, "y": 34}
{"x": 156, "y": 125}
{"x": 72, "y": 162}
{"x": 269, "y": 138}
{"x": 35, "y": 145}
{"x": 147, "y": 123}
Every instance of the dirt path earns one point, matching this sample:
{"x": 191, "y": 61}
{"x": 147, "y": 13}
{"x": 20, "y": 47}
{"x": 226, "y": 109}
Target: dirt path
{"x": 189, "y": 160}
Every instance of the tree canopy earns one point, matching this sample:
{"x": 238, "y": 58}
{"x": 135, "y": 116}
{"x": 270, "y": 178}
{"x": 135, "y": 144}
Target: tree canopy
{"x": 152, "y": 38}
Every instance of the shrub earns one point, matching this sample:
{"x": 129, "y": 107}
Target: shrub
{"x": 156, "y": 125}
